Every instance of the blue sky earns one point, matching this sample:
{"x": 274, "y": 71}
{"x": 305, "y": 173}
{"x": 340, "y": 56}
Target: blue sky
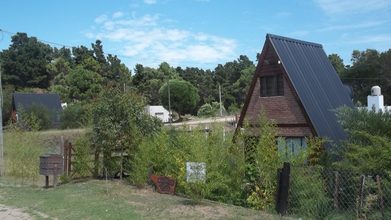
{"x": 200, "y": 33}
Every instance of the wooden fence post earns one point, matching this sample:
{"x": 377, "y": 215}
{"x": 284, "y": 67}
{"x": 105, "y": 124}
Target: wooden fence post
{"x": 283, "y": 189}
{"x": 380, "y": 194}
{"x": 336, "y": 190}
{"x": 65, "y": 146}
{"x": 361, "y": 199}
{"x": 70, "y": 149}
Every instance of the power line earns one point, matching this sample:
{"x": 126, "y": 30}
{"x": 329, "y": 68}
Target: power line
{"x": 57, "y": 44}
{"x": 40, "y": 40}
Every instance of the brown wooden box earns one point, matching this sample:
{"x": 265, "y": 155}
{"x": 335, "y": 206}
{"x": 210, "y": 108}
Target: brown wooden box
{"x": 51, "y": 164}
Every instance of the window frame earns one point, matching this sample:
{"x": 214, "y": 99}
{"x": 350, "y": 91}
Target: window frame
{"x": 271, "y": 85}
{"x": 289, "y": 149}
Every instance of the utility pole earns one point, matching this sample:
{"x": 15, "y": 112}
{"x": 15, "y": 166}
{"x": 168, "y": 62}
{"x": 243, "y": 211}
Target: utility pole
{"x": 2, "y": 167}
{"x": 221, "y": 108}
{"x": 169, "y": 102}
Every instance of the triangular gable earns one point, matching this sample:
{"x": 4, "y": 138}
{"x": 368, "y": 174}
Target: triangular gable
{"x": 314, "y": 80}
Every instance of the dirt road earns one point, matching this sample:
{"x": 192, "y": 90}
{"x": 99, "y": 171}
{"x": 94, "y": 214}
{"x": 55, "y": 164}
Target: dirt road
{"x": 11, "y": 213}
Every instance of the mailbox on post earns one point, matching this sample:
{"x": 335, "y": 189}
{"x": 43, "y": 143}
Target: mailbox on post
{"x": 51, "y": 164}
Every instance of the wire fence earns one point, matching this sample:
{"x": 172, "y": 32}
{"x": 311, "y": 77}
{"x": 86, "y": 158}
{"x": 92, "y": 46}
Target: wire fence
{"x": 318, "y": 193}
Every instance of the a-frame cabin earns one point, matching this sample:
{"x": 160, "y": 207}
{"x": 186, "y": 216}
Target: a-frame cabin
{"x": 296, "y": 86}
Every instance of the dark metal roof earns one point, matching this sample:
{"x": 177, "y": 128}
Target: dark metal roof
{"x": 316, "y": 83}
{"x": 51, "y": 101}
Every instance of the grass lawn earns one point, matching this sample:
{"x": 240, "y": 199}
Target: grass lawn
{"x": 98, "y": 199}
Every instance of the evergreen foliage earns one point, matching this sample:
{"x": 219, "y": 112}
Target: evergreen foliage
{"x": 119, "y": 123}
{"x": 368, "y": 148}
{"x": 183, "y": 96}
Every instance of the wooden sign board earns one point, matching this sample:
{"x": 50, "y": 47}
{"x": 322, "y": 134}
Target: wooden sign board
{"x": 51, "y": 164}
{"x": 164, "y": 184}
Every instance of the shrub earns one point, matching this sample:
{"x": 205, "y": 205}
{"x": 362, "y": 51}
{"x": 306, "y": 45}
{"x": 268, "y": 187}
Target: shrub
{"x": 153, "y": 156}
{"x": 35, "y": 118}
{"x": 206, "y": 110}
{"x": 82, "y": 161}
{"x": 225, "y": 167}
{"x": 210, "y": 110}
{"x": 263, "y": 160}
{"x": 75, "y": 116}
{"x": 307, "y": 193}
{"x": 167, "y": 153}
{"x": 119, "y": 124}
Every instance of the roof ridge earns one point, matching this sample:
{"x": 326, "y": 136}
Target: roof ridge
{"x": 32, "y": 93}
{"x": 278, "y": 37}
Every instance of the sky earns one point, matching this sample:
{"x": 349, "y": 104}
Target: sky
{"x": 198, "y": 33}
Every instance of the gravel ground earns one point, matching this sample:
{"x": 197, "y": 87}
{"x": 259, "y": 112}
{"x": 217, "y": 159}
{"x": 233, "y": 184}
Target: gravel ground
{"x": 11, "y": 213}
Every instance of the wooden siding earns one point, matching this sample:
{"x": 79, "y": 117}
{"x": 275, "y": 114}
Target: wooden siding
{"x": 285, "y": 110}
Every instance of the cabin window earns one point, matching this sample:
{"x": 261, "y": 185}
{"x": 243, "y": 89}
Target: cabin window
{"x": 272, "y": 85}
{"x": 291, "y": 146}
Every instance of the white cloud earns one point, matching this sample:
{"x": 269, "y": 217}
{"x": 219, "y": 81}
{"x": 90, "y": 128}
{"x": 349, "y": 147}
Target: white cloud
{"x": 118, "y": 14}
{"x": 146, "y": 40}
{"x": 345, "y": 7}
{"x": 150, "y": 2}
{"x": 101, "y": 19}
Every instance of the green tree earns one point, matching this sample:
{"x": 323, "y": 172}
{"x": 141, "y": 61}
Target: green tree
{"x": 24, "y": 62}
{"x": 201, "y": 79}
{"x": 234, "y": 78}
{"x": 337, "y": 63}
{"x": 119, "y": 123}
{"x": 98, "y": 52}
{"x": 81, "y": 53}
{"x": 183, "y": 96}
{"x": 364, "y": 73}
{"x": 368, "y": 147}
{"x": 83, "y": 84}
{"x": 7, "y": 102}
{"x": 64, "y": 53}
{"x": 117, "y": 72}
{"x": 147, "y": 82}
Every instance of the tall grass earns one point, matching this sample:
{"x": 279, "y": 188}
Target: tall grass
{"x": 21, "y": 153}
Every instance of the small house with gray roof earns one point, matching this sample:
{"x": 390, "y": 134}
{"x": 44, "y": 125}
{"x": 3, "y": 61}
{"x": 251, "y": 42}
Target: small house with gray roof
{"x": 25, "y": 101}
{"x": 296, "y": 86}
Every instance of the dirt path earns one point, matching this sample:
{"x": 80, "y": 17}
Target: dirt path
{"x": 11, "y": 213}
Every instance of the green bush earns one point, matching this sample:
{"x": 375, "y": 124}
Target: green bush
{"x": 206, "y": 110}
{"x": 35, "y": 118}
{"x": 82, "y": 160}
{"x": 263, "y": 160}
{"x": 153, "y": 156}
{"x": 75, "y": 116}
{"x": 167, "y": 153}
{"x": 119, "y": 123}
{"x": 225, "y": 167}
{"x": 210, "y": 110}
{"x": 307, "y": 193}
